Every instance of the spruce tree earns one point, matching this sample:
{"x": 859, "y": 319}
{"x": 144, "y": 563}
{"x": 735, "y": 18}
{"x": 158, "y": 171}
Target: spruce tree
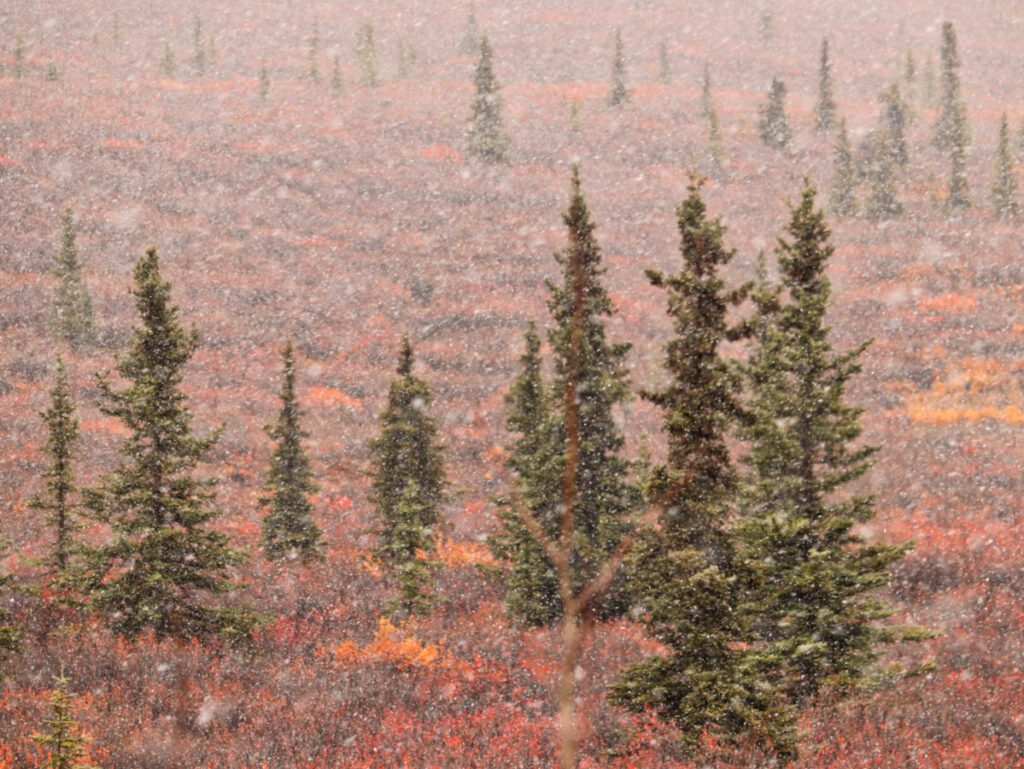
{"x": 766, "y": 23}
{"x": 164, "y": 561}
{"x": 535, "y": 456}
{"x": 337, "y": 84}
{"x": 408, "y": 485}
{"x": 1004, "y": 187}
{"x": 19, "y": 57}
{"x": 929, "y": 82}
{"x": 314, "y": 53}
{"x": 683, "y": 576}
{"x": 910, "y": 80}
{"x": 844, "y": 175}
{"x": 664, "y": 65}
{"x": 264, "y": 81}
{"x": 706, "y": 105}
{"x": 288, "y": 527}
{"x": 10, "y": 634}
{"x": 882, "y": 201}
{"x": 167, "y": 63}
{"x": 72, "y": 307}
{"x": 825, "y": 112}
{"x": 1020, "y": 137}
{"x": 815, "y": 614}
{"x": 366, "y": 55}
{"x": 487, "y": 140}
{"x": 63, "y": 741}
{"x": 58, "y": 499}
{"x": 950, "y": 129}
{"x": 773, "y": 127}
{"x": 893, "y": 124}
{"x": 958, "y": 198}
{"x": 471, "y": 37}
{"x": 198, "y": 49}
{"x": 618, "y": 93}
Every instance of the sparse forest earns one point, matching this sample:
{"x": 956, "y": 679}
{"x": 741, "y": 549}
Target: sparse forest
{"x": 612, "y": 385}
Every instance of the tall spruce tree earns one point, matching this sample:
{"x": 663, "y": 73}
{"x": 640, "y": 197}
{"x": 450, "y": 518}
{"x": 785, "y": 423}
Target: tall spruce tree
{"x": 72, "y": 308}
{"x": 408, "y": 485}
{"x": 882, "y": 201}
{"x": 892, "y": 120}
{"x": 618, "y": 92}
{"x": 487, "y": 139}
{"x": 958, "y": 198}
{"x": 683, "y": 576}
{"x": 951, "y": 128}
{"x": 164, "y": 561}
{"x": 366, "y": 56}
{"x": 814, "y": 610}
{"x": 289, "y": 530}
{"x": 63, "y": 741}
{"x": 844, "y": 175}
{"x": 1004, "y": 187}
{"x": 825, "y": 111}
{"x": 773, "y": 127}
{"x": 58, "y": 501}
{"x": 469, "y": 45}
{"x": 535, "y": 455}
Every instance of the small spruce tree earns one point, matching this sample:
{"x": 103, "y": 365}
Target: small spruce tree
{"x": 164, "y": 561}
{"x": 10, "y": 633}
{"x": 893, "y": 122}
{"x": 337, "y": 83}
{"x": 1004, "y": 188}
{"x": 19, "y": 57}
{"x": 882, "y": 201}
{"x": 950, "y": 129}
{"x": 289, "y": 530}
{"x": 72, "y": 307}
{"x": 198, "y": 48}
{"x": 168, "y": 66}
{"x": 408, "y": 485}
{"x": 63, "y": 741}
{"x": 58, "y": 500}
{"x": 487, "y": 140}
{"x": 263, "y": 80}
{"x": 664, "y": 64}
{"x": 825, "y": 112}
{"x": 469, "y": 45}
{"x": 314, "y": 53}
{"x": 773, "y": 127}
{"x": 366, "y": 55}
{"x": 618, "y": 93}
{"x": 844, "y": 175}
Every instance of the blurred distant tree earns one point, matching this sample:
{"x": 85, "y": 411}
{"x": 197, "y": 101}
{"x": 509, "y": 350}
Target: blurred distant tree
{"x": 714, "y": 139}
{"x": 773, "y": 127}
{"x": 882, "y": 202}
{"x": 951, "y": 128}
{"x": 289, "y": 530}
{"x": 57, "y": 501}
{"x": 705, "y": 92}
{"x": 683, "y": 575}
{"x": 1004, "y": 187}
{"x": 314, "y": 53}
{"x": 52, "y": 74}
{"x": 366, "y": 55}
{"x": 487, "y": 139}
{"x": 337, "y": 83}
{"x": 929, "y": 91}
{"x": 72, "y": 308}
{"x": 844, "y": 175}
{"x": 167, "y": 64}
{"x": 893, "y": 122}
{"x": 408, "y": 485}
{"x": 1020, "y": 137}
{"x": 618, "y": 94}
{"x": 264, "y": 80}
{"x": 164, "y": 559}
{"x": 910, "y": 92}
{"x": 407, "y": 58}
{"x": 825, "y": 112}
{"x": 10, "y": 634}
{"x": 817, "y": 620}
{"x": 766, "y": 23}
{"x": 958, "y": 198}
{"x": 63, "y": 741}
{"x": 664, "y": 65}
{"x": 198, "y": 49}
{"x": 575, "y": 124}
{"x": 535, "y": 456}
{"x": 471, "y": 36}
{"x": 19, "y": 57}
{"x": 115, "y": 29}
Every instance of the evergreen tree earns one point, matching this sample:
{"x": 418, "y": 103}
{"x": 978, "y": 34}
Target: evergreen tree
{"x": 337, "y": 84}
{"x": 19, "y": 57}
{"x": 198, "y": 49}
{"x": 52, "y": 74}
{"x": 314, "y": 53}
{"x": 471, "y": 37}
{"x": 72, "y": 307}
{"x": 288, "y": 527}
{"x": 893, "y": 122}
{"x": 766, "y": 23}
{"x": 618, "y": 94}
{"x": 772, "y": 127}
{"x": 958, "y": 198}
{"x": 407, "y": 58}
{"x": 664, "y": 65}
{"x": 63, "y": 741}
{"x": 366, "y": 55}
{"x": 882, "y": 202}
{"x": 1020, "y": 137}
{"x": 844, "y": 176}
{"x": 950, "y": 129}
{"x": 929, "y": 82}
{"x": 167, "y": 63}
{"x": 487, "y": 140}
{"x": 408, "y": 484}
{"x": 815, "y": 615}
{"x": 705, "y": 93}
{"x": 58, "y": 500}
{"x": 826, "y": 108}
{"x": 714, "y": 139}
{"x": 683, "y": 576}
{"x": 1004, "y": 188}
{"x": 535, "y": 456}
{"x": 164, "y": 560}
{"x": 264, "y": 80}
{"x": 10, "y": 634}
{"x": 910, "y": 83}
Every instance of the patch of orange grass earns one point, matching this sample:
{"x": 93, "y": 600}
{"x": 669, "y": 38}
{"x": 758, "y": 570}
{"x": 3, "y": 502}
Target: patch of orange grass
{"x": 949, "y": 302}
{"x": 453, "y": 552}
{"x": 978, "y": 389}
{"x": 392, "y": 645}
{"x": 325, "y": 396}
